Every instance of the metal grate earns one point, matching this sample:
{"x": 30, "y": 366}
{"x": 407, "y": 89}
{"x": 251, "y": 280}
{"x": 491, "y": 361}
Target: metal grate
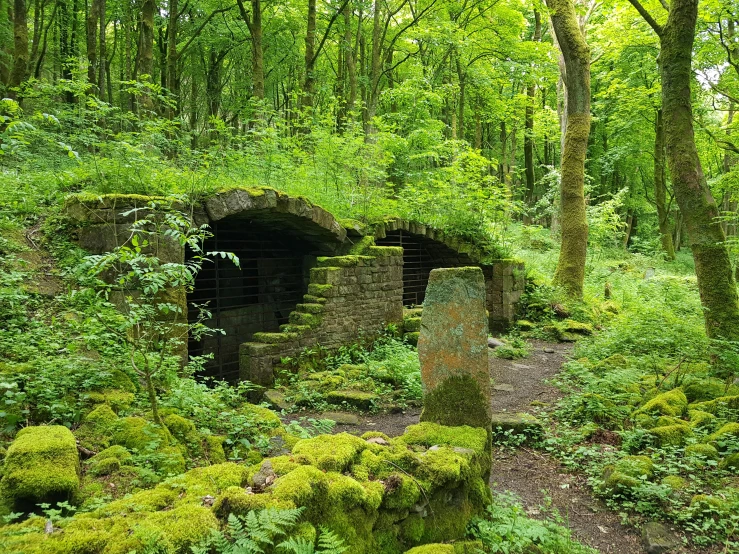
{"x": 420, "y": 256}
{"x": 258, "y": 296}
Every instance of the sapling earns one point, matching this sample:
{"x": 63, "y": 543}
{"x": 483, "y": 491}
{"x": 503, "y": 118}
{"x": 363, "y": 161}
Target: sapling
{"x": 146, "y": 279}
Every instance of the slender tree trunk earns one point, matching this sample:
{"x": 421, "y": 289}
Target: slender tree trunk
{"x": 254, "y": 24}
{"x": 145, "y": 62}
{"x": 20, "y": 44}
{"x": 173, "y": 80}
{"x": 570, "y": 272}
{"x": 660, "y": 188}
{"x": 373, "y": 93}
{"x": 528, "y": 139}
{"x": 310, "y": 56}
{"x": 93, "y": 17}
{"x": 103, "y": 50}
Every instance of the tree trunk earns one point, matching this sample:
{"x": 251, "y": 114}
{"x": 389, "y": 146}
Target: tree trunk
{"x": 93, "y": 17}
{"x": 145, "y": 62}
{"x": 310, "y": 55}
{"x": 20, "y": 45}
{"x": 254, "y": 24}
{"x": 660, "y": 188}
{"x": 173, "y": 80}
{"x": 712, "y": 264}
{"x": 528, "y": 139}
{"x": 570, "y": 272}
{"x": 103, "y": 70}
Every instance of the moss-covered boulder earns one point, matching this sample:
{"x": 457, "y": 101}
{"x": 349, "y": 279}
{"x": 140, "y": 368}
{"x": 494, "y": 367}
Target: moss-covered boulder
{"x": 726, "y": 433}
{"x": 109, "y": 460}
{"x": 453, "y": 351}
{"x": 673, "y": 434}
{"x": 329, "y": 452}
{"x": 717, "y": 405}
{"x": 41, "y": 465}
{"x": 671, "y": 403}
{"x": 628, "y": 473}
{"x": 701, "y": 452}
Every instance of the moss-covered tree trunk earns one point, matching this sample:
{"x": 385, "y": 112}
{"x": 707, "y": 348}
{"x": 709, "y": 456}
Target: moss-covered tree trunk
{"x": 660, "y": 188}
{"x": 146, "y": 49}
{"x": 570, "y": 272}
{"x": 528, "y": 138}
{"x": 706, "y": 238}
{"x": 20, "y": 44}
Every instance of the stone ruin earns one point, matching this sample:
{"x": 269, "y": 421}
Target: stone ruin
{"x": 306, "y": 278}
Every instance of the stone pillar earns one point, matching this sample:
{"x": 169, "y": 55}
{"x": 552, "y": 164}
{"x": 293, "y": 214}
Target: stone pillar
{"x": 452, "y": 348}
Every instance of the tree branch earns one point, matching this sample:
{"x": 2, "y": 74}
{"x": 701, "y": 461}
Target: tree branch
{"x": 647, "y": 17}
{"x": 202, "y": 26}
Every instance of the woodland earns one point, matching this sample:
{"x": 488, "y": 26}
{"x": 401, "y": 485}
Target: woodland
{"x": 596, "y": 141}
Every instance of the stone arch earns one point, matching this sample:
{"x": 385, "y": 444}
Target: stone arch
{"x": 424, "y": 249}
{"x": 293, "y": 215}
{"x": 277, "y": 239}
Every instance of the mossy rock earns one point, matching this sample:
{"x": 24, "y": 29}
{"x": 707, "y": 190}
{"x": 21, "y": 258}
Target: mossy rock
{"x": 676, "y": 483}
{"x": 274, "y": 338}
{"x": 117, "y": 399}
{"x": 701, "y": 420}
{"x": 411, "y": 324}
{"x": 627, "y": 474}
{"x": 728, "y": 432}
{"x": 329, "y": 452}
{"x": 213, "y": 448}
{"x": 701, "y": 450}
{"x": 525, "y": 325}
{"x": 671, "y": 403}
{"x": 432, "y": 549}
{"x": 355, "y": 398}
{"x": 137, "y": 434}
{"x": 675, "y": 434}
{"x": 614, "y": 362}
{"x": 109, "y": 460}
{"x": 411, "y": 338}
{"x": 705, "y": 390}
{"x": 431, "y": 434}
{"x": 41, "y": 465}
{"x": 718, "y": 404}
{"x": 576, "y": 327}
{"x": 182, "y": 429}
{"x": 705, "y": 504}
{"x": 506, "y": 423}
{"x": 731, "y": 462}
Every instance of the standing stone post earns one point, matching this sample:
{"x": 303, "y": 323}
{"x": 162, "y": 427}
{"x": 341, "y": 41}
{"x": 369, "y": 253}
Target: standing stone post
{"x": 452, "y": 348}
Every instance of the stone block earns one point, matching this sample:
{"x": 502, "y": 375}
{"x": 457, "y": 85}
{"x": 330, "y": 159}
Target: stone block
{"x": 453, "y": 351}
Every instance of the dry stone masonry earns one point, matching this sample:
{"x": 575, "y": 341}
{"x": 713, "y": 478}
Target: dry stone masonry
{"x": 351, "y": 277}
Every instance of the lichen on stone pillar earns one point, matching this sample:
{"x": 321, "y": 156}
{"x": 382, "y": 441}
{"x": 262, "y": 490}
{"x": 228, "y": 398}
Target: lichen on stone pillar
{"x": 452, "y": 348}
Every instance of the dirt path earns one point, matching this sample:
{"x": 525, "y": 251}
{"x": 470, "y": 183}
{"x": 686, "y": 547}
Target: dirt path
{"x": 534, "y": 477}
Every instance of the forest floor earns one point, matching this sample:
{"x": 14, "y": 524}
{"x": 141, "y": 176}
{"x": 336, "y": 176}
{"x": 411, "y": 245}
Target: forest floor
{"x": 542, "y": 484}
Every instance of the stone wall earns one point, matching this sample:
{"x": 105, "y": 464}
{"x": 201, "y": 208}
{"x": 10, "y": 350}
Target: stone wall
{"x": 505, "y": 281}
{"x": 347, "y": 296}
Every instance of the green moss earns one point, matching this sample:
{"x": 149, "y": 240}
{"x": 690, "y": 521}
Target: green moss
{"x": 718, "y": 404}
{"x": 412, "y": 338}
{"x": 671, "y": 403}
{"x": 443, "y": 466}
{"x": 237, "y": 501}
{"x": 102, "y": 417}
{"x": 671, "y": 435}
{"x": 457, "y": 401}
{"x": 172, "y": 531}
{"x": 701, "y": 450}
{"x": 577, "y": 327}
{"x": 731, "y": 462}
{"x": 628, "y": 473}
{"x": 356, "y": 398}
{"x": 135, "y": 433}
{"x": 329, "y": 452}
{"x": 432, "y": 549}
{"x": 275, "y": 338}
{"x": 525, "y": 325}
{"x": 411, "y": 324}
{"x": 213, "y": 448}
{"x": 705, "y": 390}
{"x": 41, "y": 465}
{"x": 301, "y": 486}
{"x": 700, "y": 419}
{"x": 94, "y": 432}
{"x": 346, "y": 491}
{"x": 310, "y": 299}
{"x": 109, "y": 460}
{"x": 402, "y": 492}
{"x": 351, "y": 260}
{"x": 316, "y": 308}
{"x": 702, "y": 504}
{"x": 430, "y": 434}
{"x": 362, "y": 245}
{"x": 324, "y": 291}
{"x": 182, "y": 429}
{"x": 412, "y": 529}
{"x": 675, "y": 482}
{"x": 385, "y": 251}
{"x": 617, "y": 361}
{"x": 299, "y": 318}
{"x": 727, "y": 432}
{"x": 117, "y": 399}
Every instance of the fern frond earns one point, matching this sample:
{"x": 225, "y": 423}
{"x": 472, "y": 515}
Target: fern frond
{"x": 330, "y": 543}
{"x": 299, "y": 545}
